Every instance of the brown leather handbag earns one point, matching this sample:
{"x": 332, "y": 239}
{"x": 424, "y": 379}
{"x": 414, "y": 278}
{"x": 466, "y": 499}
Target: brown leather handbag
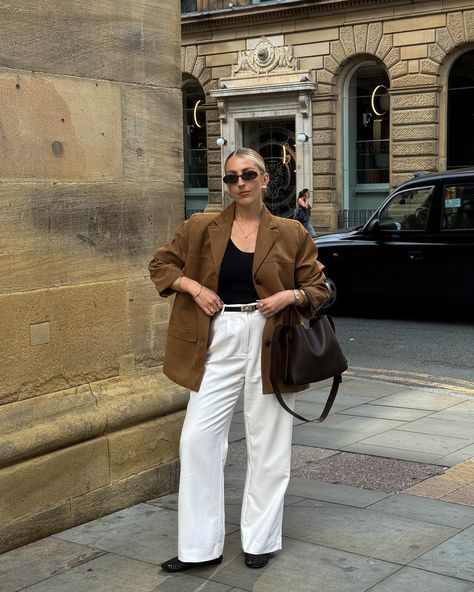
{"x": 303, "y": 354}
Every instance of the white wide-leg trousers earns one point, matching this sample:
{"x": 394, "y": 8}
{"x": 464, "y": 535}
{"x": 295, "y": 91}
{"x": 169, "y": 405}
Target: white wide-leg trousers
{"x": 233, "y": 365}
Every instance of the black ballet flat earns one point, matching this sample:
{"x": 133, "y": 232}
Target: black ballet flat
{"x": 256, "y": 561}
{"x": 175, "y": 565}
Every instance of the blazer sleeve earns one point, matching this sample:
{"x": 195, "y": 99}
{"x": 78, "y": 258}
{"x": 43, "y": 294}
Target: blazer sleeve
{"x": 168, "y": 262}
{"x": 309, "y": 275}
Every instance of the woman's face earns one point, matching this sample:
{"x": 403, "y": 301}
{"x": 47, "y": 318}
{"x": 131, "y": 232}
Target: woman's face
{"x": 248, "y": 192}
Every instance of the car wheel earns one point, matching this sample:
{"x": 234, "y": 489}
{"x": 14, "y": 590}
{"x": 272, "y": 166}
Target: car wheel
{"x": 333, "y": 300}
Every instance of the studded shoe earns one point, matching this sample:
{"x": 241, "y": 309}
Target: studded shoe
{"x": 256, "y": 561}
{"x": 176, "y": 565}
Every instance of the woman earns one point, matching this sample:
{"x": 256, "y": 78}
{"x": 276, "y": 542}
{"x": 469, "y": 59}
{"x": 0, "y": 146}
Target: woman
{"x": 303, "y": 211}
{"x": 234, "y": 274}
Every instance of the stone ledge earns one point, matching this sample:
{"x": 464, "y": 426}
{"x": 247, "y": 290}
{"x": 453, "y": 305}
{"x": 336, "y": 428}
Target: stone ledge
{"x": 68, "y": 417}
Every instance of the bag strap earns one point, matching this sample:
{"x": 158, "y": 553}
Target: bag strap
{"x": 274, "y": 364}
{"x": 336, "y": 381}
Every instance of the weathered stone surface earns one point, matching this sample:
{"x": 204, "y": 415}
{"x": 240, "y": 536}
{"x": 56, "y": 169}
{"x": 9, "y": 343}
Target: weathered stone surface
{"x": 150, "y": 143}
{"x": 399, "y": 69}
{"x": 81, "y": 319}
{"x": 436, "y": 53}
{"x": 347, "y": 39}
{"x": 414, "y": 116}
{"x": 385, "y": 45}
{"x": 144, "y": 446}
{"x": 429, "y": 67}
{"x": 330, "y": 64}
{"x": 455, "y": 26}
{"x": 325, "y": 77}
{"x": 412, "y": 80}
{"x": 189, "y": 55}
{"x": 414, "y": 100}
{"x": 410, "y": 164}
{"x": 415, "y": 132}
{"x": 360, "y": 35}
{"x": 416, "y": 23}
{"x": 336, "y": 50}
{"x": 80, "y": 233}
{"x": 146, "y": 485}
{"x": 53, "y": 479}
{"x": 323, "y": 182}
{"x": 123, "y": 41}
{"x": 34, "y": 526}
{"x": 444, "y": 40}
{"x": 413, "y": 37}
{"x": 374, "y": 35}
{"x": 321, "y": 122}
{"x": 392, "y": 58}
{"x": 322, "y": 107}
{"x": 59, "y": 128}
{"x": 415, "y": 148}
{"x": 411, "y": 52}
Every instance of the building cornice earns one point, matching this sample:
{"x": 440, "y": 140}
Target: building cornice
{"x": 257, "y": 13}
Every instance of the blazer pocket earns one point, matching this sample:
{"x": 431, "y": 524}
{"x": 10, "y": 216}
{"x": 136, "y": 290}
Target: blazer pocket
{"x": 182, "y": 333}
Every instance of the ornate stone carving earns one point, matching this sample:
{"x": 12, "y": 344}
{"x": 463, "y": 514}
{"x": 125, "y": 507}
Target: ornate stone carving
{"x": 265, "y": 58}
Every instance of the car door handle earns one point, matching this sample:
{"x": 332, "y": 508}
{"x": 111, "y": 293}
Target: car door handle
{"x": 415, "y": 255}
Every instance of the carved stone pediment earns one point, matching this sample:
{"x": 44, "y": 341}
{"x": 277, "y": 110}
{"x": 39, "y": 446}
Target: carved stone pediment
{"x": 265, "y": 58}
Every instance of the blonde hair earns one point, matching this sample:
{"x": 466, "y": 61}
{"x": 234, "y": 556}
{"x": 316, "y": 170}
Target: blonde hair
{"x": 250, "y": 154}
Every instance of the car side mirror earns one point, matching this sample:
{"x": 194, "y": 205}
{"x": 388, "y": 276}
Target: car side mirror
{"x": 374, "y": 226}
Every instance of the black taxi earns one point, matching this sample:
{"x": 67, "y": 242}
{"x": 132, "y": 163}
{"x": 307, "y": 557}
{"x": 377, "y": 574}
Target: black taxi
{"x": 416, "y": 251}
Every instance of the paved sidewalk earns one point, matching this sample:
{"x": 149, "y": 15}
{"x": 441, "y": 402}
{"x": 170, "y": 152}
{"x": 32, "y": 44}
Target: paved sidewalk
{"x": 381, "y": 498}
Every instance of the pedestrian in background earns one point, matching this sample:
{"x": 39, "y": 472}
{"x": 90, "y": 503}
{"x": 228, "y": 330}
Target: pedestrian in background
{"x": 234, "y": 275}
{"x": 303, "y": 211}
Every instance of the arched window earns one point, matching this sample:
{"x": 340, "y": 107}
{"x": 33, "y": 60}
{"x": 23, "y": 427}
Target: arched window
{"x": 366, "y": 139}
{"x": 460, "y": 121}
{"x": 195, "y": 147}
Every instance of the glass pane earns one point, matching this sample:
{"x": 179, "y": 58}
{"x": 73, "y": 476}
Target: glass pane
{"x": 275, "y": 141}
{"x": 408, "y": 210}
{"x": 461, "y": 112}
{"x": 194, "y": 140}
{"x": 458, "y": 207}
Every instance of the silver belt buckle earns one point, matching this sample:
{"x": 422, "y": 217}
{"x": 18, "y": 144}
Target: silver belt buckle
{"x": 248, "y": 308}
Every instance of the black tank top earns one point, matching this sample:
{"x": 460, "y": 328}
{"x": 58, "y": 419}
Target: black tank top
{"x": 235, "y": 278}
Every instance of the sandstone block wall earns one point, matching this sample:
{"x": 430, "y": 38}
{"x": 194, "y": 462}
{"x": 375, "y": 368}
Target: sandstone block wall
{"x": 91, "y": 182}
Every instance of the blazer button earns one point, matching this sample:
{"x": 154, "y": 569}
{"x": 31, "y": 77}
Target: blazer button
{"x": 268, "y": 343}
{"x": 258, "y": 282}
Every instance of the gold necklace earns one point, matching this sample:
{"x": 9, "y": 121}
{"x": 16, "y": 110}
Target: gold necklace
{"x": 242, "y": 230}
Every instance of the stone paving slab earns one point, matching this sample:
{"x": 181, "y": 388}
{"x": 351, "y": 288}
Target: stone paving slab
{"x": 337, "y": 494}
{"x": 418, "y": 399}
{"x": 105, "y": 574}
{"x": 44, "y": 558}
{"x": 428, "y": 510}
{"x": 409, "y": 455}
{"x": 442, "y": 427}
{"x": 453, "y": 558}
{"x": 386, "y": 412}
{"x": 374, "y": 534}
{"x": 302, "y": 567}
{"x": 411, "y": 579}
{"x": 426, "y": 443}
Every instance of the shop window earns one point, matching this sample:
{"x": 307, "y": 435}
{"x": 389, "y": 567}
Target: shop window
{"x": 460, "y": 124}
{"x": 195, "y": 147}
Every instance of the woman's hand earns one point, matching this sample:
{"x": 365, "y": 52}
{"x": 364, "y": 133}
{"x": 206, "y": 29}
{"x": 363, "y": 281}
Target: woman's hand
{"x": 208, "y": 301}
{"x": 273, "y": 304}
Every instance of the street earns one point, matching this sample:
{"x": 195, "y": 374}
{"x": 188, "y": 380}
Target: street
{"x": 422, "y": 353}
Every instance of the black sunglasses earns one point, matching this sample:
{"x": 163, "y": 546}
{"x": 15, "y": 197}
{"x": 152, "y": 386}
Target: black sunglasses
{"x": 247, "y": 176}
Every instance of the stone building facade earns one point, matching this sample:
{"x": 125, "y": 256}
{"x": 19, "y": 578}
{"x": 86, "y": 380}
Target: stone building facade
{"x": 355, "y": 95}
{"x": 91, "y": 183}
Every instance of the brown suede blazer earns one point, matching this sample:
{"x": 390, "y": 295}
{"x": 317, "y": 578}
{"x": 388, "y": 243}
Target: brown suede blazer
{"x": 285, "y": 258}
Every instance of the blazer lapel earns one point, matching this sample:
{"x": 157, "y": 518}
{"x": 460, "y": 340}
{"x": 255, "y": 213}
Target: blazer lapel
{"x": 219, "y": 235}
{"x": 267, "y": 235}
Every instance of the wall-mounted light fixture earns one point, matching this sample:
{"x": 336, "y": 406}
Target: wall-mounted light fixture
{"x": 302, "y": 138}
{"x": 221, "y": 142}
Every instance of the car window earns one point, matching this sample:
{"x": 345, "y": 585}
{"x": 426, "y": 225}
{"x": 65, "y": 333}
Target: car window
{"x": 408, "y": 210}
{"x": 458, "y": 207}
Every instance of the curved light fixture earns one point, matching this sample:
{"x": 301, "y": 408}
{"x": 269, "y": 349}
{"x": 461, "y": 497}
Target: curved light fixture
{"x": 196, "y": 106}
{"x": 302, "y": 138}
{"x": 372, "y": 99}
{"x": 221, "y": 142}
